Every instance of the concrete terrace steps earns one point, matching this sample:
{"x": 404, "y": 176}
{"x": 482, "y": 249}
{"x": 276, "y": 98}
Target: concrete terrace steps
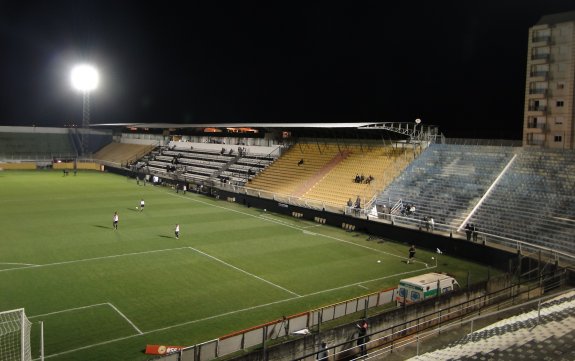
{"x": 305, "y": 187}
{"x": 517, "y": 333}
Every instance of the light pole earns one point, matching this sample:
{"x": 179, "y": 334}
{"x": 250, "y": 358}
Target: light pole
{"x": 85, "y": 78}
{"x": 417, "y": 121}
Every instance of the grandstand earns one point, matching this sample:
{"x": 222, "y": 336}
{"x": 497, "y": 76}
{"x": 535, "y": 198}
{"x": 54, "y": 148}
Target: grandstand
{"x": 520, "y": 200}
{"x": 446, "y": 181}
{"x": 535, "y": 335}
{"x": 22, "y": 144}
{"x": 534, "y": 201}
{"x": 33, "y": 146}
{"x": 122, "y": 153}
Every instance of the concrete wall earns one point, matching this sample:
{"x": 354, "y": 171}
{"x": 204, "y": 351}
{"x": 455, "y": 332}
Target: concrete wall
{"x": 341, "y": 340}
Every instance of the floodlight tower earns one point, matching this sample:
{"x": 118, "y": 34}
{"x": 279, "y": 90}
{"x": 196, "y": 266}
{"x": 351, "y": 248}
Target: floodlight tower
{"x": 85, "y": 78}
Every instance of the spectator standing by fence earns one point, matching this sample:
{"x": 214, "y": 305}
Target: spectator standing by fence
{"x": 468, "y": 231}
{"x": 362, "y": 336}
{"x": 323, "y": 353}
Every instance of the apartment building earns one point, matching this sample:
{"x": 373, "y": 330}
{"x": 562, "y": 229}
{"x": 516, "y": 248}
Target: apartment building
{"x": 549, "y": 116}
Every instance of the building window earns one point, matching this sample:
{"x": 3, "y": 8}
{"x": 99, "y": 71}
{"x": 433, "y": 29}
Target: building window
{"x": 560, "y": 85}
{"x": 560, "y": 103}
{"x": 557, "y": 138}
{"x": 559, "y": 121}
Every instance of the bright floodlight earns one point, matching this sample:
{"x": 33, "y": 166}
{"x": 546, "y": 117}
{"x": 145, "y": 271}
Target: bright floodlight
{"x": 417, "y": 121}
{"x": 85, "y": 78}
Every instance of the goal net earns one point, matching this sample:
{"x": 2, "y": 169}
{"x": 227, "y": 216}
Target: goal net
{"x": 15, "y": 336}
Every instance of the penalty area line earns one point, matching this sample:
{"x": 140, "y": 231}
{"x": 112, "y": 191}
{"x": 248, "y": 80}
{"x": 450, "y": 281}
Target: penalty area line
{"x": 69, "y": 310}
{"x": 208, "y": 318}
{"x": 125, "y": 318}
{"x": 93, "y": 259}
{"x": 91, "y": 306}
{"x": 18, "y": 264}
{"x": 245, "y": 272}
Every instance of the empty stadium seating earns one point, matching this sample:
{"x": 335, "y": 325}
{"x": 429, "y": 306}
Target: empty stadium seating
{"x": 446, "y": 181}
{"x": 35, "y": 146}
{"x": 288, "y": 176}
{"x": 535, "y": 335}
{"x": 338, "y": 185}
{"x": 122, "y": 153}
{"x": 534, "y": 202}
{"x": 196, "y": 164}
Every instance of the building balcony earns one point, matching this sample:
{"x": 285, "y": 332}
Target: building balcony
{"x": 542, "y": 75}
{"x": 545, "y": 57}
{"x": 538, "y": 142}
{"x": 537, "y": 108}
{"x": 536, "y": 127}
{"x": 541, "y": 40}
{"x": 541, "y": 91}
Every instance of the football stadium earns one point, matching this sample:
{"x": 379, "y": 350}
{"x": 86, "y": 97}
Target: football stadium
{"x": 281, "y": 182}
{"x": 282, "y": 242}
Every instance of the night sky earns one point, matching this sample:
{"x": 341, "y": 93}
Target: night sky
{"x": 456, "y": 64}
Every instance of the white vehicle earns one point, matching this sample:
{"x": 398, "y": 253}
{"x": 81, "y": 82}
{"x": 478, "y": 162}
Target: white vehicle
{"x": 422, "y": 287}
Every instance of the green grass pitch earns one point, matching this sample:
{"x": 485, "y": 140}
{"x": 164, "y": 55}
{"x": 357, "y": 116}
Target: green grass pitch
{"x": 103, "y": 294}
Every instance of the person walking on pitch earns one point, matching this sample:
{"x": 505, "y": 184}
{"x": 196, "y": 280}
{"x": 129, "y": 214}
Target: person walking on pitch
{"x": 411, "y": 253}
{"x": 115, "y": 220}
{"x": 177, "y": 231}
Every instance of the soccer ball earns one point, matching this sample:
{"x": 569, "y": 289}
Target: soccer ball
{"x": 378, "y": 261}
{"x": 265, "y": 210}
{"x": 136, "y": 207}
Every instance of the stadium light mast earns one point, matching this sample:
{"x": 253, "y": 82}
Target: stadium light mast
{"x": 414, "y": 133}
{"x": 85, "y": 78}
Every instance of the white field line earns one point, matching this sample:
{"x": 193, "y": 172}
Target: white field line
{"x": 68, "y": 310}
{"x": 90, "y": 306}
{"x": 289, "y": 225}
{"x": 315, "y": 225}
{"x": 362, "y": 286}
{"x": 208, "y": 318}
{"x": 20, "y": 264}
{"x": 125, "y": 318}
{"x": 248, "y": 308}
{"x": 245, "y": 272}
{"x": 93, "y": 259}
{"x": 235, "y": 211}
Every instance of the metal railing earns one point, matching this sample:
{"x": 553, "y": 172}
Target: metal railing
{"x": 432, "y": 324}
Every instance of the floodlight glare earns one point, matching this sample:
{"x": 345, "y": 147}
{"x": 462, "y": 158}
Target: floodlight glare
{"x": 417, "y": 121}
{"x": 85, "y": 78}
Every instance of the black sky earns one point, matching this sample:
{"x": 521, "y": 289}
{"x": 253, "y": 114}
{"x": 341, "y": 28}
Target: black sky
{"x": 456, "y": 64}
